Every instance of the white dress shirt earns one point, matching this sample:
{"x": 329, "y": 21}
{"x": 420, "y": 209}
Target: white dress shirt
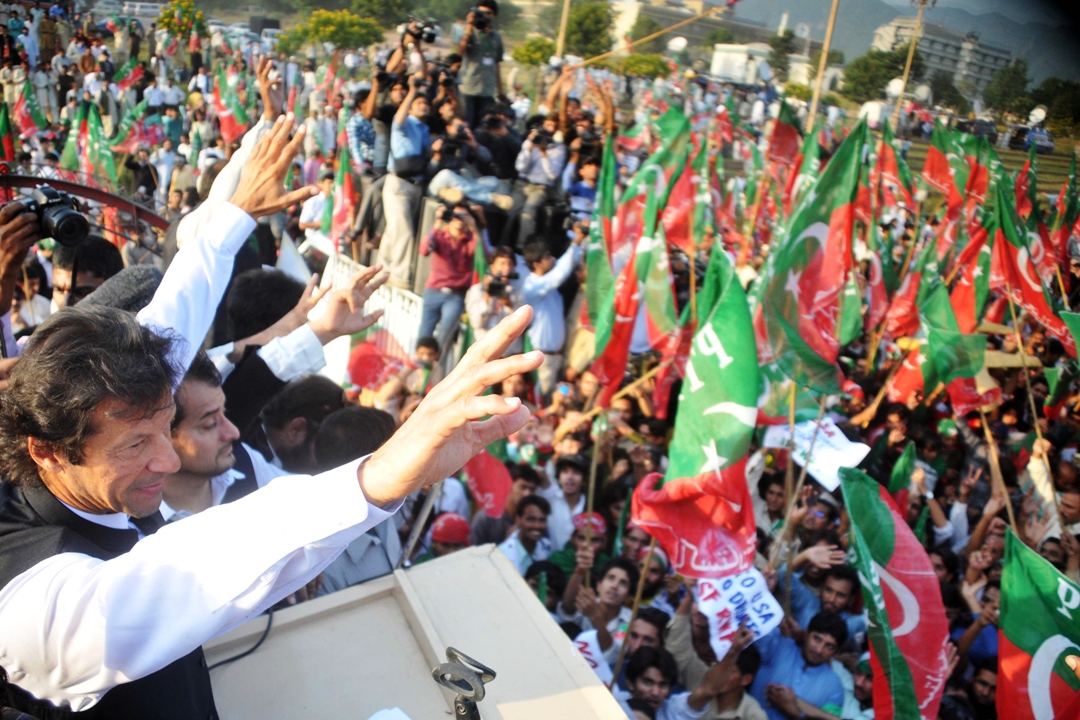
{"x": 75, "y": 626}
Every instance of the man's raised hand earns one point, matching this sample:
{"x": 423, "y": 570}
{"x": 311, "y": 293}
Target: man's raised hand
{"x": 455, "y": 420}
{"x": 261, "y": 190}
{"x": 272, "y": 91}
{"x": 344, "y": 314}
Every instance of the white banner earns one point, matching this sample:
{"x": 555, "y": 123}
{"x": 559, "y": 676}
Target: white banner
{"x": 725, "y": 602}
{"x": 832, "y": 449}
{"x": 589, "y": 647}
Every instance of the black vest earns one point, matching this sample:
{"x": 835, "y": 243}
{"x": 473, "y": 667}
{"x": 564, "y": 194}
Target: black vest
{"x": 243, "y": 465}
{"x": 34, "y": 526}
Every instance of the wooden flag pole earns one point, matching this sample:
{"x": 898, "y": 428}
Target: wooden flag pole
{"x": 634, "y": 610}
{"x": 1061, "y": 286}
{"x": 821, "y": 66}
{"x": 907, "y": 66}
{"x": 995, "y": 470}
{"x": 1027, "y": 378}
{"x": 560, "y": 42}
{"x": 871, "y": 409}
{"x": 603, "y": 56}
{"x": 789, "y": 473}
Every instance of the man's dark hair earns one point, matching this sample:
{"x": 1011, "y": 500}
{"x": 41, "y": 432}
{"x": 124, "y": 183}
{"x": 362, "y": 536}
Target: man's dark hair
{"x": 535, "y": 251}
{"x": 351, "y": 433}
{"x": 202, "y": 370}
{"x": 767, "y": 480}
{"x": 556, "y": 578}
{"x": 97, "y": 255}
{"x": 824, "y": 535}
{"x": 844, "y": 572}
{"x": 988, "y": 664}
{"x": 525, "y": 502}
{"x": 646, "y": 657}
{"x": 504, "y": 251}
{"x": 428, "y": 342}
{"x": 520, "y": 471}
{"x": 490, "y": 4}
{"x": 828, "y": 623}
{"x": 259, "y": 298}
{"x": 749, "y": 661}
{"x": 625, "y": 564}
{"x": 313, "y": 398}
{"x": 655, "y": 617}
{"x": 74, "y": 362}
{"x": 949, "y": 560}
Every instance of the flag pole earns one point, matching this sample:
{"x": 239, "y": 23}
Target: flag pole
{"x": 634, "y": 610}
{"x": 995, "y": 470}
{"x": 622, "y": 393}
{"x": 821, "y": 65}
{"x": 560, "y": 42}
{"x": 872, "y": 407}
{"x": 1061, "y": 286}
{"x": 910, "y": 56}
{"x": 1027, "y": 378}
{"x": 647, "y": 38}
{"x": 591, "y": 493}
{"x": 789, "y": 473}
{"x": 775, "y": 551}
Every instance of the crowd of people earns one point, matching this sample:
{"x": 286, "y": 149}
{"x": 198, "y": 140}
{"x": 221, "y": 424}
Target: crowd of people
{"x": 462, "y": 188}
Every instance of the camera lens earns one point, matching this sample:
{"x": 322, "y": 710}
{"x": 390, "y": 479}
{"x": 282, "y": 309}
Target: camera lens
{"x": 65, "y": 226}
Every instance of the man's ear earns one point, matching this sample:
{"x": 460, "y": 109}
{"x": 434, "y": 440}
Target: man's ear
{"x": 45, "y": 456}
{"x": 297, "y": 431}
{"x": 746, "y": 680}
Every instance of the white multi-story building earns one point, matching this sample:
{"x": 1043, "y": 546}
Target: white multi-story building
{"x": 970, "y": 62}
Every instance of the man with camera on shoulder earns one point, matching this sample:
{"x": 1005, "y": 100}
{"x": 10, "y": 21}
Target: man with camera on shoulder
{"x": 481, "y": 50}
{"x": 495, "y": 296}
{"x": 456, "y": 156}
{"x": 539, "y": 164}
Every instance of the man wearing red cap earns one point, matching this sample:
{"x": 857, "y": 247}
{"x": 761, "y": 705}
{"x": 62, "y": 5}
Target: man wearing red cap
{"x": 449, "y": 533}
{"x": 586, "y": 547}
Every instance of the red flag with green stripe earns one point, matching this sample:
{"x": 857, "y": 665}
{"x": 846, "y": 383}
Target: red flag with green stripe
{"x": 7, "y": 137}
{"x": 129, "y": 74}
{"x": 907, "y": 628}
{"x": 1039, "y": 626}
{"x": 786, "y": 136}
{"x": 701, "y": 512}
{"x": 1066, "y": 216}
{"x": 600, "y": 283}
{"x": 231, "y": 114}
{"x": 27, "y": 114}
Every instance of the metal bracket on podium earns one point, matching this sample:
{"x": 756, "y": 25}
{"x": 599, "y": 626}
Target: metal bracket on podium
{"x": 466, "y": 677}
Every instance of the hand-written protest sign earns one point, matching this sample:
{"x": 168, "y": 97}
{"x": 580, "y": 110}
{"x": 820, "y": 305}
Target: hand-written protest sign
{"x": 832, "y": 449}
{"x": 589, "y": 647}
{"x": 726, "y": 601}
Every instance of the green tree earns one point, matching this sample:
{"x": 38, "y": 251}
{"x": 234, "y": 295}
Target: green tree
{"x": 866, "y": 76}
{"x": 645, "y": 65}
{"x": 534, "y": 52}
{"x": 946, "y": 93}
{"x": 1062, "y": 101}
{"x": 306, "y": 7}
{"x": 342, "y": 29}
{"x": 718, "y": 36}
{"x": 1007, "y": 90}
{"x": 388, "y": 13}
{"x": 291, "y": 41}
{"x": 782, "y": 46}
{"x": 798, "y": 91}
{"x": 835, "y": 57}
{"x": 588, "y": 29}
{"x": 644, "y": 27}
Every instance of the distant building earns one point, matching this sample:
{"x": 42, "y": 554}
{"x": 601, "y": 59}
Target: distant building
{"x": 970, "y": 62}
{"x": 741, "y": 64}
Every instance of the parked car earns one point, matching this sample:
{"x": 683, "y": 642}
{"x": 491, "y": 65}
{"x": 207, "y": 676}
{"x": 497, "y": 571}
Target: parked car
{"x": 979, "y": 128}
{"x": 1023, "y": 137}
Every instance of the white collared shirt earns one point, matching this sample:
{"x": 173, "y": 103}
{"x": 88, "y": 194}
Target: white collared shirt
{"x": 520, "y": 557}
{"x": 220, "y": 484}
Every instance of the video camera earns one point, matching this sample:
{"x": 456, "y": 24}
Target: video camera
{"x": 481, "y": 21}
{"x": 498, "y": 286}
{"x": 58, "y": 215}
{"x": 426, "y": 31}
{"x": 386, "y": 79}
{"x": 543, "y": 139}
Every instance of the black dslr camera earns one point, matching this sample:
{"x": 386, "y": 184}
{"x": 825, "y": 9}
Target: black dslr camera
{"x": 423, "y": 30}
{"x": 58, "y": 214}
{"x": 543, "y": 139}
{"x": 481, "y": 21}
{"x": 498, "y": 285}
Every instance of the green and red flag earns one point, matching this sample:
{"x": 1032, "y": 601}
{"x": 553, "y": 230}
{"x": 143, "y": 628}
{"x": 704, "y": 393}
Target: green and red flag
{"x": 880, "y": 278}
{"x": 727, "y": 119}
{"x": 689, "y": 204}
{"x": 1038, "y": 627}
{"x": 972, "y": 288}
{"x": 113, "y": 24}
{"x": 231, "y": 114}
{"x": 801, "y": 308}
{"x": 902, "y": 317}
{"x": 701, "y": 512}
{"x": 1012, "y": 269}
{"x": 344, "y": 199}
{"x": 786, "y": 136}
{"x": 97, "y": 145}
{"x": 139, "y": 129}
{"x": 600, "y": 282}
{"x": 906, "y": 624}
{"x": 129, "y": 74}
{"x": 7, "y": 137}
{"x": 27, "y": 114}
{"x": 1065, "y": 220}
{"x": 893, "y": 174}
{"x": 804, "y": 172}
{"x": 489, "y": 481}
{"x": 71, "y": 158}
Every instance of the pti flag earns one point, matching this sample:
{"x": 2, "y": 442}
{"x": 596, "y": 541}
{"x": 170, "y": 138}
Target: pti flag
{"x": 701, "y": 512}
{"x": 1039, "y": 627}
{"x": 489, "y": 482}
{"x": 907, "y": 627}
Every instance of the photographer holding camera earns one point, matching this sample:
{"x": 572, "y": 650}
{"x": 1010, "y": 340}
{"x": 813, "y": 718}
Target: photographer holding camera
{"x": 452, "y": 243}
{"x": 481, "y": 50}
{"x": 455, "y": 153}
{"x": 495, "y": 296}
{"x": 539, "y": 165}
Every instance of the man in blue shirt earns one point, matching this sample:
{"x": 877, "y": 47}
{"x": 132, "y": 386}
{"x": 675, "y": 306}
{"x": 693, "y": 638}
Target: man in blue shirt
{"x": 410, "y": 150}
{"x": 838, "y": 590}
{"x": 790, "y": 673}
{"x": 543, "y": 275}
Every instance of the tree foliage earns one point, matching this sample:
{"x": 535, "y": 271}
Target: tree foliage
{"x": 534, "y": 52}
{"x": 1062, "y": 101}
{"x": 588, "y": 30}
{"x": 388, "y": 13}
{"x": 1007, "y": 91}
{"x": 340, "y": 28}
{"x": 798, "y": 91}
{"x": 946, "y": 93}
{"x": 866, "y": 76}
{"x": 644, "y": 65}
{"x": 644, "y": 27}
{"x": 782, "y": 46}
{"x": 180, "y": 17}
{"x": 718, "y": 36}
{"x": 306, "y": 7}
